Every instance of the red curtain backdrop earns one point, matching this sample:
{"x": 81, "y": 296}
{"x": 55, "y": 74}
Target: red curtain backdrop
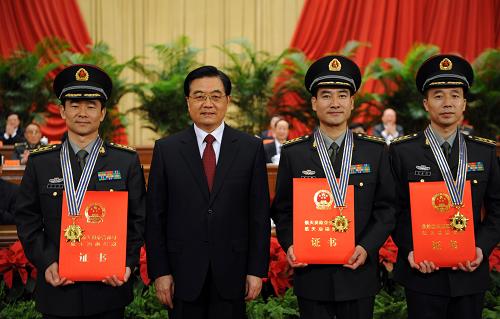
{"x": 26, "y": 22}
{"x": 466, "y": 27}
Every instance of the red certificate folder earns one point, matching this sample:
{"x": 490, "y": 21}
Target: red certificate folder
{"x": 433, "y": 237}
{"x": 314, "y": 238}
{"x": 101, "y": 252}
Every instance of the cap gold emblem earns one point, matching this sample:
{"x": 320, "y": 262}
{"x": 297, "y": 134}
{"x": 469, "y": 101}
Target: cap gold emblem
{"x": 82, "y": 75}
{"x": 445, "y": 64}
{"x": 335, "y": 65}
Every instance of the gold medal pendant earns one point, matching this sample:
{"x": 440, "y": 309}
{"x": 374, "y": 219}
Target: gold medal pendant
{"x": 458, "y": 221}
{"x": 340, "y": 223}
{"x": 73, "y": 233}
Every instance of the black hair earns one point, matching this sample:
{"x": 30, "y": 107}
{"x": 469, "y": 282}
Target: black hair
{"x": 13, "y": 113}
{"x": 204, "y": 72}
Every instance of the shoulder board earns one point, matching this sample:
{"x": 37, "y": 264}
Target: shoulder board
{"x": 44, "y": 149}
{"x": 404, "y": 138}
{"x": 481, "y": 140}
{"x": 370, "y": 138}
{"x": 122, "y": 147}
{"x": 20, "y": 144}
{"x": 296, "y": 140}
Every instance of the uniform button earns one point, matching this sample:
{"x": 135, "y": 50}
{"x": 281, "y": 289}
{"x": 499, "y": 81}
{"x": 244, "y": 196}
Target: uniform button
{"x": 210, "y": 211}
{"x": 111, "y": 190}
{"x": 475, "y": 181}
{"x": 54, "y": 194}
{"x": 361, "y": 184}
{"x": 422, "y": 180}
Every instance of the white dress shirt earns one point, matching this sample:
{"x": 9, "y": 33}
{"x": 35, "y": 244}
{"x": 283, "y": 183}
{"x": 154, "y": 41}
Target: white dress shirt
{"x": 200, "y": 138}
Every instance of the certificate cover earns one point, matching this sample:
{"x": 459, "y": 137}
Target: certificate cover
{"x": 315, "y": 240}
{"x": 101, "y": 250}
{"x": 434, "y": 239}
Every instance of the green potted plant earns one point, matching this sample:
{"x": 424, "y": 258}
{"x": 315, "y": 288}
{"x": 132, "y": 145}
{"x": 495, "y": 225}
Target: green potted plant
{"x": 162, "y": 100}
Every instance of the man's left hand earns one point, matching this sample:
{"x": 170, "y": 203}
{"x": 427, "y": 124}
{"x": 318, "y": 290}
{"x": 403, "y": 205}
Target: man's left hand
{"x": 115, "y": 282}
{"x": 470, "y": 266}
{"x": 253, "y": 287}
{"x": 357, "y": 259}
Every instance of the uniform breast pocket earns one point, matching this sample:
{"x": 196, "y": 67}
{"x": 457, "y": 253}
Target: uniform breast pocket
{"x": 111, "y": 186}
{"x": 51, "y": 202}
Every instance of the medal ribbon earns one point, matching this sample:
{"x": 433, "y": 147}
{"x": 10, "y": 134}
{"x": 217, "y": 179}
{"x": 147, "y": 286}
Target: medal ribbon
{"x": 75, "y": 198}
{"x": 339, "y": 190}
{"x": 455, "y": 187}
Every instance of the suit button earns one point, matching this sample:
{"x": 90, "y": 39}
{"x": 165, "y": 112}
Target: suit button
{"x": 475, "y": 181}
{"x": 361, "y": 184}
{"x": 422, "y": 180}
{"x": 111, "y": 190}
{"x": 210, "y": 211}
{"x": 54, "y": 194}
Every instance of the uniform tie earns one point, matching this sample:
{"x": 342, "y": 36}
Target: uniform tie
{"x": 446, "y": 150}
{"x": 334, "y": 151}
{"x": 209, "y": 160}
{"x": 80, "y": 157}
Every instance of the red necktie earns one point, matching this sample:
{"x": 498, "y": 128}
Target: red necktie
{"x": 209, "y": 160}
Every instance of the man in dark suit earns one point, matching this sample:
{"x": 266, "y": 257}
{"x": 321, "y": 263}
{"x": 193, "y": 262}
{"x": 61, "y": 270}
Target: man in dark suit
{"x": 207, "y": 221}
{"x": 83, "y": 91}
{"x": 337, "y": 291}
{"x": 456, "y": 292}
{"x": 388, "y": 129}
{"x": 13, "y": 132}
{"x": 273, "y": 149}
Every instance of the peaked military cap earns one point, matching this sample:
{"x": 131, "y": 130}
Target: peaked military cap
{"x": 333, "y": 71}
{"x": 444, "y": 70}
{"x": 82, "y": 81}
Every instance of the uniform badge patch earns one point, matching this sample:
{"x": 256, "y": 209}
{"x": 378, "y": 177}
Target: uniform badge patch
{"x": 360, "y": 169}
{"x": 309, "y": 172}
{"x": 56, "y": 180}
{"x": 109, "y": 175}
{"x": 475, "y": 167}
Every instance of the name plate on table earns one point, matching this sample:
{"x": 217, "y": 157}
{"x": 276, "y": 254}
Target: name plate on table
{"x": 318, "y": 238}
{"x": 96, "y": 247}
{"x": 439, "y": 234}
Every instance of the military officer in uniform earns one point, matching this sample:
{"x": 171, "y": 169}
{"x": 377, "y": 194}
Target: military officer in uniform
{"x": 83, "y": 91}
{"x": 456, "y": 292}
{"x": 337, "y": 291}
{"x": 33, "y": 136}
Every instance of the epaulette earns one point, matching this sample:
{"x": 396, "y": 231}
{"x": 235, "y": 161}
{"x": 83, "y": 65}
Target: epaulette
{"x": 404, "y": 138}
{"x": 20, "y": 144}
{"x": 370, "y": 138}
{"x": 44, "y": 149}
{"x": 482, "y": 140}
{"x": 295, "y": 140}
{"x": 122, "y": 147}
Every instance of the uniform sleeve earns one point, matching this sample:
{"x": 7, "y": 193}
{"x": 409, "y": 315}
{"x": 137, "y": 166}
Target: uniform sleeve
{"x": 156, "y": 216}
{"x": 136, "y": 212}
{"x": 402, "y": 234}
{"x": 383, "y": 211}
{"x": 488, "y": 234}
{"x": 259, "y": 223}
{"x": 282, "y": 207}
{"x": 39, "y": 249}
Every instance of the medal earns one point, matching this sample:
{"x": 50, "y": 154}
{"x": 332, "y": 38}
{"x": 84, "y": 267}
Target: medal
{"x": 74, "y": 233}
{"x": 455, "y": 187}
{"x": 340, "y": 223}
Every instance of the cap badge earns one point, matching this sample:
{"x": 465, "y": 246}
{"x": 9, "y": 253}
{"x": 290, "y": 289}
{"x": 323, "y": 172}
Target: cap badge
{"x": 445, "y": 64}
{"x": 82, "y": 75}
{"x": 335, "y": 65}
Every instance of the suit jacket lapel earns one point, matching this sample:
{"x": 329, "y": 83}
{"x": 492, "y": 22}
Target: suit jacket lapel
{"x": 191, "y": 153}
{"x": 228, "y": 151}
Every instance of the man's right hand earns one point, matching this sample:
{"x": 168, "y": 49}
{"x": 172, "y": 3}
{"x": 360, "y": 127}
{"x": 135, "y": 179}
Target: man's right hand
{"x": 165, "y": 290}
{"x": 9, "y": 129}
{"x": 52, "y": 276}
{"x": 290, "y": 256}
{"x": 424, "y": 267}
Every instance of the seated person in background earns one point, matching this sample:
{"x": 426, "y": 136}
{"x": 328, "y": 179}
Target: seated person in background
{"x": 273, "y": 150}
{"x": 12, "y": 133}
{"x": 33, "y": 136}
{"x": 357, "y": 127}
{"x": 388, "y": 129}
{"x": 269, "y": 133}
{"x": 8, "y": 193}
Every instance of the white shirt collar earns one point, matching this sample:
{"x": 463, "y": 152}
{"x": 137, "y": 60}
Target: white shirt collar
{"x": 201, "y": 134}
